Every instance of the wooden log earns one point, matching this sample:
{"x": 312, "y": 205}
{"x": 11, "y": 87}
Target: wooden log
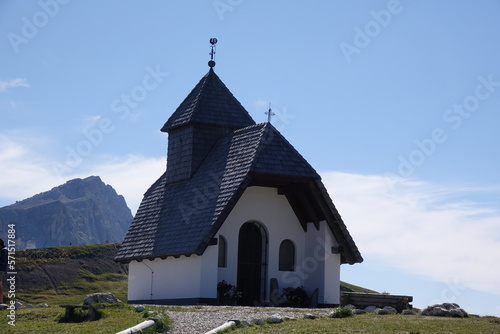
{"x": 222, "y": 327}
{"x": 140, "y": 327}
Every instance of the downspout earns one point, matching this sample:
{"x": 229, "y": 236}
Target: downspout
{"x": 152, "y": 272}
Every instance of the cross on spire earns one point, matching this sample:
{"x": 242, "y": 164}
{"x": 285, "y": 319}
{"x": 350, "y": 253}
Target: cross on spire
{"x": 213, "y": 41}
{"x": 269, "y": 113}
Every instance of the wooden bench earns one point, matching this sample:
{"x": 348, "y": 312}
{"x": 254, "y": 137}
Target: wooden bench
{"x": 362, "y": 300}
{"x": 70, "y": 310}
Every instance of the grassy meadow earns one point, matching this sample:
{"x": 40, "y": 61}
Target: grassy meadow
{"x": 117, "y": 317}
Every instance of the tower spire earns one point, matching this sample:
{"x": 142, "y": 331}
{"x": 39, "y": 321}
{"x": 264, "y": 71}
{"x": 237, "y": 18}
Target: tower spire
{"x": 213, "y": 41}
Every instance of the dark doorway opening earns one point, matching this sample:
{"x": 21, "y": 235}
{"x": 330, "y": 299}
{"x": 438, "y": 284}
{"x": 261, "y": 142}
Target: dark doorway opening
{"x": 252, "y": 263}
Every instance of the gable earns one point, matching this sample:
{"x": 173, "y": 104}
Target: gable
{"x": 276, "y": 156}
{"x": 274, "y": 213}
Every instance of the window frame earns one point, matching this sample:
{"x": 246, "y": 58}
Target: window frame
{"x": 222, "y": 257}
{"x": 287, "y": 256}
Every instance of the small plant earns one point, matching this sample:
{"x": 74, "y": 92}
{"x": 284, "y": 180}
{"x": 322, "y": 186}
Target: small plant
{"x": 228, "y": 292}
{"x": 342, "y": 312}
{"x": 233, "y": 293}
{"x": 296, "y": 297}
{"x": 162, "y": 324}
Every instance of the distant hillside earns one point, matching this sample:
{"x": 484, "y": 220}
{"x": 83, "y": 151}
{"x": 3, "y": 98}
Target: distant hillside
{"x": 55, "y": 267}
{"x": 81, "y": 211}
{"x": 354, "y": 288}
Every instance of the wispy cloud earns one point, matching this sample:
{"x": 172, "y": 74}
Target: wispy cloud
{"x": 17, "y": 82}
{"x": 423, "y": 228}
{"x": 21, "y": 166}
{"x": 89, "y": 122}
{"x": 26, "y": 170}
{"x": 260, "y": 103}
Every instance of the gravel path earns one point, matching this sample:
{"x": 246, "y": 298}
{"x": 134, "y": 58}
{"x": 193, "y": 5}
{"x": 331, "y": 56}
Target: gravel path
{"x": 201, "y": 319}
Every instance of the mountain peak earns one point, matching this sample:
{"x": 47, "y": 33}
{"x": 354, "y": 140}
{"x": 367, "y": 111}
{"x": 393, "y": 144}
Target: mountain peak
{"x": 80, "y": 211}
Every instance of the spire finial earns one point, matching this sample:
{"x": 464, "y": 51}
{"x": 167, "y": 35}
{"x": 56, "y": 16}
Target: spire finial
{"x": 213, "y": 41}
{"x": 269, "y": 113}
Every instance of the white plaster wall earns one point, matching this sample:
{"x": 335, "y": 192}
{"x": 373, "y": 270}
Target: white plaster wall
{"x": 313, "y": 266}
{"x": 208, "y": 278}
{"x": 139, "y": 281}
{"x": 172, "y": 278}
{"x": 264, "y": 205}
{"x": 320, "y": 265}
{"x": 332, "y": 271}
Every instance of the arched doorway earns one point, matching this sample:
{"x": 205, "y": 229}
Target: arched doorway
{"x": 252, "y": 263}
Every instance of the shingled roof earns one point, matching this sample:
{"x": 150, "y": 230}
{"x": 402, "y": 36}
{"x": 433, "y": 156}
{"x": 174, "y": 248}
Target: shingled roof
{"x": 182, "y": 218}
{"x": 210, "y": 102}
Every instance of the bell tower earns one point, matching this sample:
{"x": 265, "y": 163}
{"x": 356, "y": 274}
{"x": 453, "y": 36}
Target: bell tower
{"x": 207, "y": 113}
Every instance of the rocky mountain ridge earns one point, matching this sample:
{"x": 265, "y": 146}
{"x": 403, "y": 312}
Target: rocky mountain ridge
{"x": 81, "y": 211}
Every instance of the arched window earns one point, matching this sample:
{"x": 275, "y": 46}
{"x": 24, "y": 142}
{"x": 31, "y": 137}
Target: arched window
{"x": 222, "y": 252}
{"x": 287, "y": 256}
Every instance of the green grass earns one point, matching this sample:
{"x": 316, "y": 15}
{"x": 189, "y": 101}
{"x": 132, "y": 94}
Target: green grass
{"x": 73, "y": 293}
{"x": 342, "y": 312}
{"x": 356, "y": 288}
{"x": 50, "y": 254}
{"x": 372, "y": 323}
{"x": 114, "y": 318}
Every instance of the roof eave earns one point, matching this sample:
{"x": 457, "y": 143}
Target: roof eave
{"x": 350, "y": 253}
{"x": 154, "y": 257}
{"x": 223, "y": 215}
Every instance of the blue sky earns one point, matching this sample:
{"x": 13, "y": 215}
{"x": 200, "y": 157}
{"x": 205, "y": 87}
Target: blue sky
{"x": 395, "y": 103}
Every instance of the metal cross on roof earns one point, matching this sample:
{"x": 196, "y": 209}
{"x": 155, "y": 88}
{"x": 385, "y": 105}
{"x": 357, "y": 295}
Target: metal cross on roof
{"x": 269, "y": 113}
